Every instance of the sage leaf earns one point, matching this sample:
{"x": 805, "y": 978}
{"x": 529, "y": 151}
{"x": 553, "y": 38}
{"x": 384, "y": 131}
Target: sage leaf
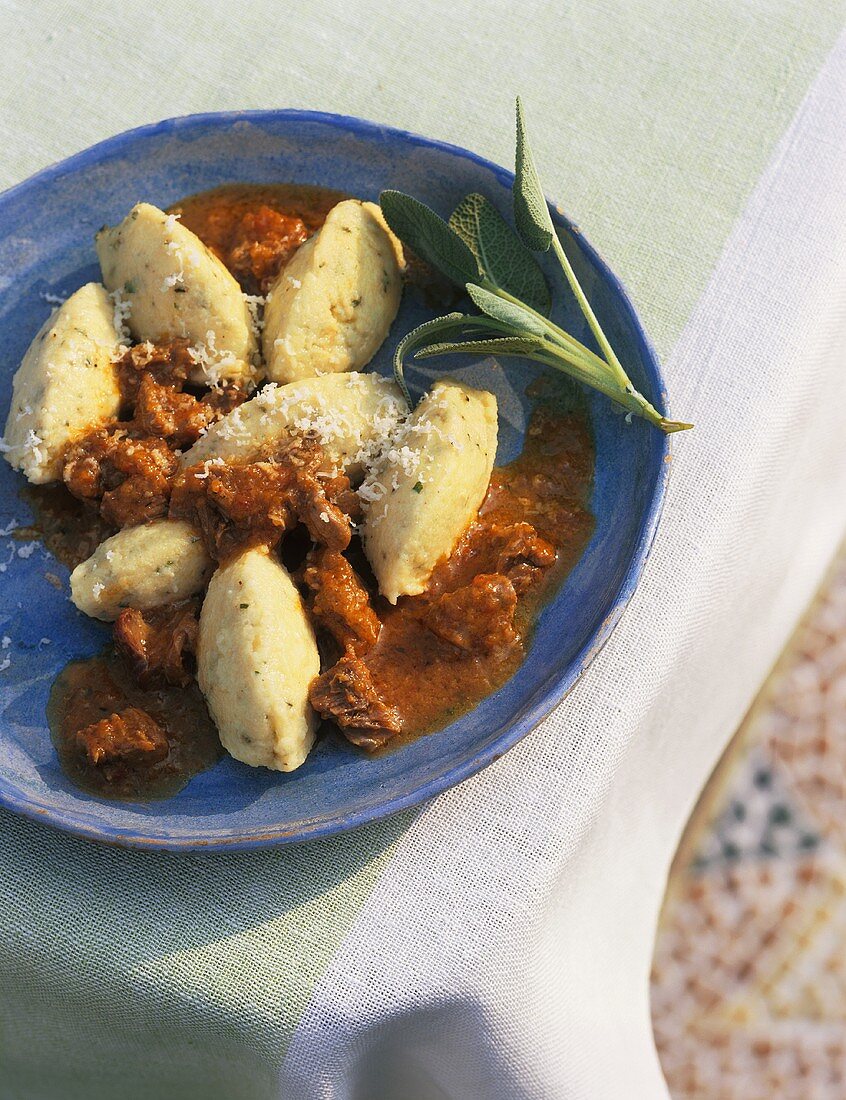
{"x": 503, "y": 257}
{"x": 418, "y": 226}
{"x": 445, "y": 326}
{"x": 526, "y": 347}
{"x": 510, "y": 313}
{"x": 531, "y": 212}
{"x": 507, "y": 345}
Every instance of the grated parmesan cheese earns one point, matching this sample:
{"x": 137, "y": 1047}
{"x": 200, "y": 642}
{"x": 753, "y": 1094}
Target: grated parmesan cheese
{"x": 33, "y": 443}
{"x": 398, "y": 453}
{"x": 371, "y": 491}
{"x": 201, "y": 475}
{"x": 123, "y": 311}
{"x": 255, "y": 307}
{"x": 176, "y": 279}
{"x": 211, "y": 361}
{"x": 285, "y": 342}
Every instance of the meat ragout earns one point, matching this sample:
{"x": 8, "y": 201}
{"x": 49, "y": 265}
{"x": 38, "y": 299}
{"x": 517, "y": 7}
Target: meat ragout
{"x": 440, "y": 653}
{"x": 239, "y": 505}
{"x": 159, "y": 644}
{"x": 255, "y": 229}
{"x": 127, "y": 468}
{"x": 388, "y": 673}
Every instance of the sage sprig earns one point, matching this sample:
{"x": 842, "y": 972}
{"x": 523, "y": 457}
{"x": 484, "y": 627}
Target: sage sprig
{"x": 478, "y": 249}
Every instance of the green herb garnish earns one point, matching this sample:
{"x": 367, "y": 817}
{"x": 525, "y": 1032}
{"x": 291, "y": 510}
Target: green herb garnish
{"x": 480, "y": 251}
{"x": 417, "y": 487}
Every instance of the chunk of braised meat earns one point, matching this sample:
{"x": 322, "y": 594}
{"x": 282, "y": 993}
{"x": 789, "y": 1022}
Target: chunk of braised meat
{"x": 523, "y": 556}
{"x": 326, "y": 521}
{"x": 339, "y": 601}
{"x": 169, "y": 364}
{"x": 129, "y": 736}
{"x": 223, "y": 399}
{"x": 236, "y": 505}
{"x": 164, "y": 369}
{"x": 135, "y": 501}
{"x": 146, "y": 468}
{"x": 83, "y": 471}
{"x": 131, "y": 477}
{"x": 129, "y": 466}
{"x": 159, "y": 644}
{"x": 346, "y": 694}
{"x": 265, "y": 241}
{"x": 515, "y": 550}
{"x": 339, "y": 490}
{"x": 164, "y": 412}
{"x": 233, "y": 507}
{"x": 478, "y": 618}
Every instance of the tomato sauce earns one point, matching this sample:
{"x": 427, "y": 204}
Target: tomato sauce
{"x": 89, "y": 691}
{"x": 255, "y": 228}
{"x": 70, "y": 529}
{"x": 547, "y": 486}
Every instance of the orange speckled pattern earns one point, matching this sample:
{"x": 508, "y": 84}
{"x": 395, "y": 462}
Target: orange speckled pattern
{"x": 749, "y": 974}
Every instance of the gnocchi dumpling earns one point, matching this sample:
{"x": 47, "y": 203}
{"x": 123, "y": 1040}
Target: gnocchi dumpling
{"x": 332, "y": 306}
{"x": 66, "y": 384}
{"x": 171, "y": 286}
{"x": 142, "y": 567}
{"x": 429, "y": 486}
{"x": 256, "y": 658}
{"x": 350, "y": 415}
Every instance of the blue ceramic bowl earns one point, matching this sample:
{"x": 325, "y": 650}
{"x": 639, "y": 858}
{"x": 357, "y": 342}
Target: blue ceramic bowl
{"x": 47, "y": 225}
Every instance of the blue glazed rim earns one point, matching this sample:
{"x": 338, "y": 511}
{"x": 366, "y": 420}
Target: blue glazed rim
{"x": 115, "y": 145}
